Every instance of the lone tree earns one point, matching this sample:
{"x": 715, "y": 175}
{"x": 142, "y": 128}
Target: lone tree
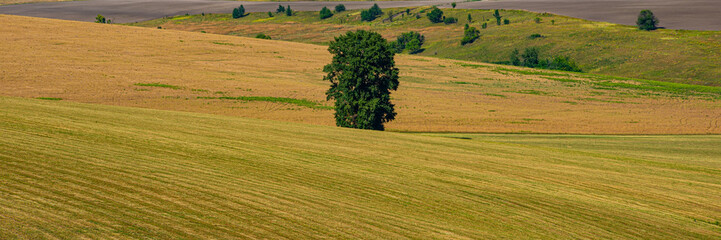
{"x": 288, "y": 11}
{"x": 647, "y": 21}
{"x": 339, "y": 8}
{"x": 362, "y": 74}
{"x": 100, "y": 19}
{"x": 280, "y": 9}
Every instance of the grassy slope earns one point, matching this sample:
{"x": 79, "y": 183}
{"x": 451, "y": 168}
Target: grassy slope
{"x": 176, "y": 70}
{"x": 73, "y": 170}
{"x": 665, "y": 55}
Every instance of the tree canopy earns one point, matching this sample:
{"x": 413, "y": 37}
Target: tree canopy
{"x": 362, "y": 74}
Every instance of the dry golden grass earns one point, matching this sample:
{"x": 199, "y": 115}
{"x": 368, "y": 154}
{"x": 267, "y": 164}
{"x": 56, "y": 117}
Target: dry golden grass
{"x": 99, "y": 63}
{"x": 88, "y": 171}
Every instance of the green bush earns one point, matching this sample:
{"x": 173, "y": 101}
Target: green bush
{"x": 498, "y": 17}
{"x": 262, "y": 36}
{"x": 239, "y": 12}
{"x": 450, "y": 20}
{"x": 537, "y": 20}
{"x": 647, "y": 21}
{"x": 453, "y": 5}
{"x": 530, "y": 57}
{"x": 535, "y": 35}
{"x": 100, "y": 19}
{"x": 413, "y": 41}
{"x": 506, "y": 21}
{"x": 484, "y": 25}
{"x": 564, "y": 63}
{"x": 339, "y": 8}
{"x": 280, "y": 9}
{"x": 371, "y": 14}
{"x": 436, "y": 15}
{"x": 470, "y": 19}
{"x": 325, "y": 13}
{"x": 288, "y": 11}
{"x": 270, "y": 14}
{"x": 470, "y": 35}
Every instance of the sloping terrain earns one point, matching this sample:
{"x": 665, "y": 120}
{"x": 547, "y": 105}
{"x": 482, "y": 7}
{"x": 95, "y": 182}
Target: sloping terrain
{"x": 72, "y": 170}
{"x": 276, "y": 80}
{"x": 681, "y": 56}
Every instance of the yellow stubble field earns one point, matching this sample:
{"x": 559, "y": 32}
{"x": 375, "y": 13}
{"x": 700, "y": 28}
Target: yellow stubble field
{"x": 277, "y": 80}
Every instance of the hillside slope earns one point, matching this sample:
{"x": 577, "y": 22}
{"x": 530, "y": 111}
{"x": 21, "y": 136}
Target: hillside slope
{"x": 665, "y": 55}
{"x": 72, "y": 170}
{"x": 277, "y": 80}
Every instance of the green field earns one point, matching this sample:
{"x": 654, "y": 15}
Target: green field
{"x": 73, "y": 170}
{"x": 680, "y": 56}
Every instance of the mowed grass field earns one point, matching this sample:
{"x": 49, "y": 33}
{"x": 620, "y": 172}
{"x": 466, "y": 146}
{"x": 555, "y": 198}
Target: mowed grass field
{"x": 74, "y": 170}
{"x": 265, "y": 79}
{"x": 666, "y": 55}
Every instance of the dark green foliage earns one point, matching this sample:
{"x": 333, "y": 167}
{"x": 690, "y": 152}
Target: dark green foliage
{"x": 262, "y": 36}
{"x": 515, "y": 59}
{"x": 453, "y": 5}
{"x": 371, "y": 14}
{"x": 647, "y": 21}
{"x": 484, "y": 25}
{"x": 100, "y": 19}
{"x": 325, "y": 13}
{"x": 506, "y": 21}
{"x": 498, "y": 17}
{"x": 408, "y": 40}
{"x": 470, "y": 35}
{"x": 408, "y": 11}
{"x": 239, "y": 12}
{"x": 362, "y": 74}
{"x": 470, "y": 19}
{"x": 436, "y": 15}
{"x": 535, "y": 35}
{"x": 270, "y": 14}
{"x": 553, "y": 21}
{"x": 537, "y": 20}
{"x": 530, "y": 58}
{"x": 564, "y": 63}
{"x": 450, "y": 20}
{"x": 288, "y": 11}
{"x": 280, "y": 9}
{"x": 339, "y": 8}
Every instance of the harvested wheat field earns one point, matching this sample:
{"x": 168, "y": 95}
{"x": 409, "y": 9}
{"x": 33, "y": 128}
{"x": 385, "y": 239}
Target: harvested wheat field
{"x": 275, "y": 80}
{"x": 86, "y": 171}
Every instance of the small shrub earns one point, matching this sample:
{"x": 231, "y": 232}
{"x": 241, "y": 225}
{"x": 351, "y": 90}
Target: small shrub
{"x": 288, "y": 11}
{"x": 408, "y": 11}
{"x": 564, "y": 63}
{"x": 100, "y": 19}
{"x": 450, "y": 20}
{"x": 647, "y": 21}
{"x": 436, "y": 15}
{"x": 535, "y": 35}
{"x": 239, "y": 12}
{"x": 470, "y": 35}
{"x": 537, "y": 20}
{"x": 553, "y": 21}
{"x": 498, "y": 17}
{"x": 262, "y": 36}
{"x": 325, "y": 13}
{"x": 453, "y": 5}
{"x": 270, "y": 14}
{"x": 280, "y": 9}
{"x": 470, "y": 19}
{"x": 530, "y": 57}
{"x": 506, "y": 21}
{"x": 371, "y": 14}
{"x": 515, "y": 59}
{"x": 413, "y": 41}
{"x": 484, "y": 25}
{"x": 339, "y": 8}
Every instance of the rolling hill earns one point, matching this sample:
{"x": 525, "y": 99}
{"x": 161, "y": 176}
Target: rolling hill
{"x": 680, "y": 56}
{"x": 277, "y": 80}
